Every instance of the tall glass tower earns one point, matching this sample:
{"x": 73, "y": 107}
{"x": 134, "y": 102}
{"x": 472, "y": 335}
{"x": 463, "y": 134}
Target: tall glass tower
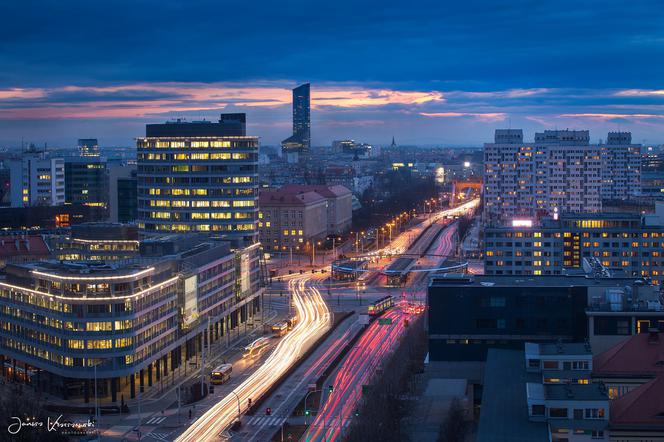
{"x": 300, "y": 141}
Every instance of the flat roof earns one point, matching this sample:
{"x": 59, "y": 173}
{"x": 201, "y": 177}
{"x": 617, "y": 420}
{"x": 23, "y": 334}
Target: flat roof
{"x": 504, "y": 414}
{"x": 531, "y": 281}
{"x": 576, "y": 392}
{"x": 565, "y": 348}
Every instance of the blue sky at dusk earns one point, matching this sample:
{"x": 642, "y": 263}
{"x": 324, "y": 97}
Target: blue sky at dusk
{"x": 427, "y": 72}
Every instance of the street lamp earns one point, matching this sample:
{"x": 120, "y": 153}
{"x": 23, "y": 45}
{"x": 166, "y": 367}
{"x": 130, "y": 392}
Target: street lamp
{"x": 238, "y": 405}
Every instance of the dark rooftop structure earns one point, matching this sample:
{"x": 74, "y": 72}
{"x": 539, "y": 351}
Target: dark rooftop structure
{"x": 229, "y": 125}
{"x": 504, "y": 415}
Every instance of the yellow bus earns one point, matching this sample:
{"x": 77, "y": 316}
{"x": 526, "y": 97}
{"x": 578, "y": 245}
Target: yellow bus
{"x": 280, "y": 328}
{"x": 221, "y": 374}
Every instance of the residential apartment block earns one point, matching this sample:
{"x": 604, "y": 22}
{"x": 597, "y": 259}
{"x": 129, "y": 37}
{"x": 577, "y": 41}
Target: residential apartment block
{"x": 559, "y": 172}
{"x": 621, "y": 242}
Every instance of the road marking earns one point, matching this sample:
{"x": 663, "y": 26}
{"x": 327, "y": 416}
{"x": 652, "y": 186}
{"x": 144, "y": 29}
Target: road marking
{"x": 159, "y": 436}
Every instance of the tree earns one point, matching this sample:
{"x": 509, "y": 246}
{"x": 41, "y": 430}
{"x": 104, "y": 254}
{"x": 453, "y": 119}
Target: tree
{"x": 455, "y": 426}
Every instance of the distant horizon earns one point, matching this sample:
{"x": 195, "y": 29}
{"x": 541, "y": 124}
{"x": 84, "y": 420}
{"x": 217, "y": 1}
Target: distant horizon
{"x": 439, "y": 73}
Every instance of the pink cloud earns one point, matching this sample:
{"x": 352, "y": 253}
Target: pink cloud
{"x": 489, "y": 116}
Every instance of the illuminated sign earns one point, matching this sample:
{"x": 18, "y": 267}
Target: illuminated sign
{"x": 522, "y": 223}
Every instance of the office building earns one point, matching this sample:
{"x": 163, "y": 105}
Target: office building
{"x": 123, "y": 193}
{"x": 125, "y": 325}
{"x": 560, "y": 172}
{"x": 297, "y": 146}
{"x": 88, "y": 147}
{"x": 292, "y": 220}
{"x": 469, "y": 314}
{"x": 35, "y": 179}
{"x": 86, "y": 181}
{"x": 623, "y": 243}
{"x": 97, "y": 242}
{"x": 199, "y": 177}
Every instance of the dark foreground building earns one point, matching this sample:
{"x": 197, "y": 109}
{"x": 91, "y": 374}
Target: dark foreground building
{"x": 468, "y": 314}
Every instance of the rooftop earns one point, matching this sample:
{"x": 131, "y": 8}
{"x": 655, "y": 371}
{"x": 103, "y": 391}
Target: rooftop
{"x": 504, "y": 415}
{"x": 576, "y": 392}
{"x": 22, "y": 245}
{"x": 640, "y": 355}
{"x": 289, "y": 197}
{"x": 326, "y": 191}
{"x": 642, "y": 407}
{"x": 470, "y": 280}
{"x": 567, "y": 348}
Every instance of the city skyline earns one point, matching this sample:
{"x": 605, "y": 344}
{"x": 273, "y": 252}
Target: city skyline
{"x": 377, "y": 72}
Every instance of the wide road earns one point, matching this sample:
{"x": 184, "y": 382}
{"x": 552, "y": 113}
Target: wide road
{"x": 357, "y": 370}
{"x": 314, "y": 319}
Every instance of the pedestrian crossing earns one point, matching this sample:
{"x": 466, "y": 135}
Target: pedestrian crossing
{"x": 156, "y": 420}
{"x": 160, "y": 436}
{"x": 265, "y": 420}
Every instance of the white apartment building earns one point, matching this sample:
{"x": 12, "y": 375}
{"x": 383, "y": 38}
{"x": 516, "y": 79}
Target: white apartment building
{"x": 559, "y": 172}
{"x": 36, "y": 180}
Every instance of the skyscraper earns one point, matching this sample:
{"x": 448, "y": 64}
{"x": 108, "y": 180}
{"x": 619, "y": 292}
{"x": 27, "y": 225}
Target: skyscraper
{"x": 298, "y": 145}
{"x": 199, "y": 176}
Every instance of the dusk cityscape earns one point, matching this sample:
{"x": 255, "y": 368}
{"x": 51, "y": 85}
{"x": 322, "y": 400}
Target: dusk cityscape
{"x": 350, "y": 221}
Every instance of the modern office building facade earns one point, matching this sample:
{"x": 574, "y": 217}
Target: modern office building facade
{"x": 623, "y": 243}
{"x": 468, "y": 314}
{"x": 199, "y": 177}
{"x": 560, "y": 172}
{"x": 97, "y": 242}
{"x": 66, "y": 324}
{"x": 86, "y": 181}
{"x": 88, "y": 147}
{"x": 299, "y": 144}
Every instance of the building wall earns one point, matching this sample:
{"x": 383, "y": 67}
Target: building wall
{"x": 292, "y": 226}
{"x": 199, "y": 184}
{"x": 619, "y": 244}
{"x": 560, "y": 170}
{"x": 464, "y": 322}
{"x": 86, "y": 182}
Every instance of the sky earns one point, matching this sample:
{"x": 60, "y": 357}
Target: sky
{"x": 426, "y": 72}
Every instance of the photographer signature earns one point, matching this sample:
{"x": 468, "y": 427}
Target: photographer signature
{"x": 51, "y": 424}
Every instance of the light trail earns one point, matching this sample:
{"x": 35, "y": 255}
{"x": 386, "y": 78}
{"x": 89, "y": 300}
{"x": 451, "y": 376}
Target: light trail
{"x": 357, "y": 369}
{"x": 314, "y": 319}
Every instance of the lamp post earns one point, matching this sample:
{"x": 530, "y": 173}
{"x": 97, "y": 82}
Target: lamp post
{"x": 306, "y": 410}
{"x": 238, "y": 405}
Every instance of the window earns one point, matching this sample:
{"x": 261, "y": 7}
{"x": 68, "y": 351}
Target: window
{"x": 497, "y": 301}
{"x": 578, "y": 413}
{"x": 550, "y": 365}
{"x": 594, "y": 413}
{"x": 558, "y": 412}
{"x": 538, "y": 410}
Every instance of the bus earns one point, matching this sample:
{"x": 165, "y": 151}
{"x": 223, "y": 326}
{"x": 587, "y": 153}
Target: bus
{"x": 291, "y": 322}
{"x": 256, "y": 348}
{"x": 280, "y": 328}
{"x": 379, "y": 306}
{"x": 221, "y": 374}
